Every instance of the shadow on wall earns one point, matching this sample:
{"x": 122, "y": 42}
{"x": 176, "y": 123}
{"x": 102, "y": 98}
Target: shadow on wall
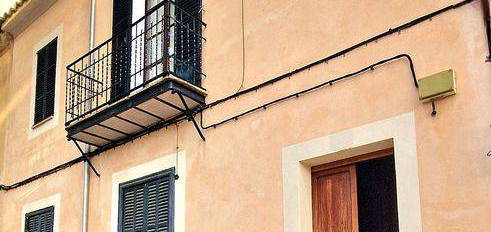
{"x": 5, "y": 64}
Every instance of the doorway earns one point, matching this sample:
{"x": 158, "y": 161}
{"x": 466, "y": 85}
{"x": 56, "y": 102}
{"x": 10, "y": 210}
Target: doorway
{"x": 356, "y": 194}
{"x": 138, "y": 45}
{"x": 152, "y": 38}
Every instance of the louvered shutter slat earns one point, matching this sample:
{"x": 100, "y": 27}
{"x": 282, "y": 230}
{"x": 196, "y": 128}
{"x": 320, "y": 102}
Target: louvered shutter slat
{"x": 152, "y": 206}
{"x": 39, "y": 100}
{"x": 139, "y": 204}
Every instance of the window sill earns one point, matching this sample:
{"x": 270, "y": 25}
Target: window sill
{"x": 41, "y": 122}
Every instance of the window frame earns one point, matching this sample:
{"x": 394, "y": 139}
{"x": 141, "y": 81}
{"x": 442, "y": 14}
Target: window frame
{"x": 45, "y": 116}
{"x": 144, "y": 179}
{"x": 36, "y": 130}
{"x": 50, "y": 209}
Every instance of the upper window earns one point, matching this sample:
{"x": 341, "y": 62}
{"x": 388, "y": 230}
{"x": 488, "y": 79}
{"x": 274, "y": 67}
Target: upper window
{"x": 40, "y": 220}
{"x": 146, "y": 204}
{"x": 45, "y": 82}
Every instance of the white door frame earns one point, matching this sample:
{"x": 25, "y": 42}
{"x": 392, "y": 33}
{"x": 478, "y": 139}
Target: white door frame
{"x": 398, "y": 132}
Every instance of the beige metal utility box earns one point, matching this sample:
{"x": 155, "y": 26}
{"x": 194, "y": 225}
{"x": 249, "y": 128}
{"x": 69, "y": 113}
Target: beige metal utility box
{"x": 436, "y": 86}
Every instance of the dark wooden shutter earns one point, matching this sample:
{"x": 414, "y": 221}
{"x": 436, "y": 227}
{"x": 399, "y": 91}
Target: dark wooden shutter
{"x": 122, "y": 15}
{"x": 121, "y": 48}
{"x": 188, "y": 44}
{"x": 193, "y": 7}
{"x": 45, "y": 82}
{"x": 40, "y": 220}
{"x": 146, "y": 204}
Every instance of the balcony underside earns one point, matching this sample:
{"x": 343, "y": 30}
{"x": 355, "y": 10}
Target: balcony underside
{"x": 166, "y": 101}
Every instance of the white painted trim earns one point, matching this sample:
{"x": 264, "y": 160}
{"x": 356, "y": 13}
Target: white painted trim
{"x": 298, "y": 159}
{"x": 54, "y": 200}
{"x": 51, "y": 123}
{"x": 160, "y": 164}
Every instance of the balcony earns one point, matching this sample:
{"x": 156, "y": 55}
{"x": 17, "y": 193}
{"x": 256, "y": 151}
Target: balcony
{"x": 145, "y": 77}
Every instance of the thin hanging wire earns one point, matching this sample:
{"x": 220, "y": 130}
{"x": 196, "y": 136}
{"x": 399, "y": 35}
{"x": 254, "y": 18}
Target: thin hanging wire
{"x": 243, "y": 49}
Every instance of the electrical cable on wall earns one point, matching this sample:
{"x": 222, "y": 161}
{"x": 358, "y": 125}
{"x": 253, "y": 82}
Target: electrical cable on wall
{"x": 324, "y": 84}
{"x": 343, "y": 52}
{"x": 254, "y": 88}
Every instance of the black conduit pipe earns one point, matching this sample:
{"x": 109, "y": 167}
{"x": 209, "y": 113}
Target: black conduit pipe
{"x": 324, "y": 84}
{"x": 43, "y": 174}
{"x": 264, "y": 84}
{"x": 340, "y": 53}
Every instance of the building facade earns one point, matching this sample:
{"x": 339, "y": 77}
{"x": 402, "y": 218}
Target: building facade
{"x": 154, "y": 115}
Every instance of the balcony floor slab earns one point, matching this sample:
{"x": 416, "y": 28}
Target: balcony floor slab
{"x": 156, "y": 104}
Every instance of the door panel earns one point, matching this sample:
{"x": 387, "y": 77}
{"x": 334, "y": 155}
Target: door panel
{"x": 334, "y": 200}
{"x": 156, "y": 25}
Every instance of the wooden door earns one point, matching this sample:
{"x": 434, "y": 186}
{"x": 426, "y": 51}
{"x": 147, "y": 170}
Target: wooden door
{"x": 334, "y": 200}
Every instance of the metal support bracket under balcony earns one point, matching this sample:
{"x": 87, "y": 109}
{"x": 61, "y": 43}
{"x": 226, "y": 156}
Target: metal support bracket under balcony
{"x": 86, "y": 158}
{"x": 190, "y": 116}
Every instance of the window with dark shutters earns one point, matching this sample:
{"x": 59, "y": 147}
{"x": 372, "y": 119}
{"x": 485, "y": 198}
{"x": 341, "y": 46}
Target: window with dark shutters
{"x": 146, "y": 204}
{"x": 45, "y": 82}
{"x": 40, "y": 220}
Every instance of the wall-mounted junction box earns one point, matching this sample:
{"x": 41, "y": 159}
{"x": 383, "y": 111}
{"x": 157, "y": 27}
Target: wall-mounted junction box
{"x": 436, "y": 86}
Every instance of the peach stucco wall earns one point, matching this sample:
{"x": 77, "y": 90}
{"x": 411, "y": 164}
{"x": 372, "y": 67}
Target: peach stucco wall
{"x": 26, "y": 155}
{"x": 234, "y": 179}
{"x": 5, "y": 67}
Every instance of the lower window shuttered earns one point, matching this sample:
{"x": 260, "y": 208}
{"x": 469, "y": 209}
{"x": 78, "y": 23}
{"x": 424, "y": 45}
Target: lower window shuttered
{"x": 40, "y": 220}
{"x": 146, "y": 204}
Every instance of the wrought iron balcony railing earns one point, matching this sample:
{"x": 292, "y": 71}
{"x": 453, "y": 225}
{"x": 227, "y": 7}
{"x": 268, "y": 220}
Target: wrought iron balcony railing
{"x": 165, "y": 42}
